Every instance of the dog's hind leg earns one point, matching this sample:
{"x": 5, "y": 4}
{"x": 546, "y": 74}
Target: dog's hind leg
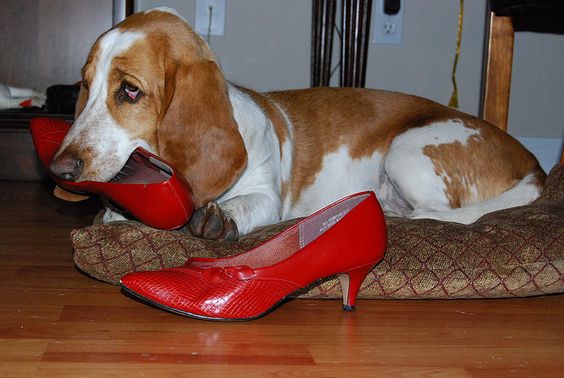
{"x": 413, "y": 174}
{"x": 448, "y": 171}
{"x": 523, "y": 193}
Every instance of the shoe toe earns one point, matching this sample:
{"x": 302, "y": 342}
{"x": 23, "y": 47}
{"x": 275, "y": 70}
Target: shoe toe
{"x": 192, "y": 292}
{"x": 169, "y": 288}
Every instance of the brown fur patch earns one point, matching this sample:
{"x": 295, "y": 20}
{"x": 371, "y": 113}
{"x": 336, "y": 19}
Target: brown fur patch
{"x": 488, "y": 165}
{"x": 87, "y": 73}
{"x": 139, "y": 119}
{"x": 366, "y": 121}
{"x": 198, "y": 134}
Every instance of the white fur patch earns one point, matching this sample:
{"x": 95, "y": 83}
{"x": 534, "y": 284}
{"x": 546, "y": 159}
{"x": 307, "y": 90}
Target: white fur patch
{"x": 413, "y": 173}
{"x": 254, "y": 200}
{"x": 95, "y": 129}
{"x": 339, "y": 176}
{"x": 286, "y": 163}
{"x": 439, "y": 133}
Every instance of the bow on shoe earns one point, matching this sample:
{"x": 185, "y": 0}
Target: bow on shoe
{"x": 217, "y": 274}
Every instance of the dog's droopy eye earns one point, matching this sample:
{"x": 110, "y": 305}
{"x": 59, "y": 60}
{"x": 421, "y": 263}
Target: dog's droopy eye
{"x": 131, "y": 91}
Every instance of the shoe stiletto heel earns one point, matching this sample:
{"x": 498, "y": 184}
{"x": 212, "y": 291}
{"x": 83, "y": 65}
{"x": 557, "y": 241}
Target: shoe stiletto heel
{"x": 350, "y": 285}
{"x": 345, "y": 239}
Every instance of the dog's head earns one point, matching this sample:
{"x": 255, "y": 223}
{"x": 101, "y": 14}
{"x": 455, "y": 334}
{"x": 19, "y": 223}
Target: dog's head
{"x": 153, "y": 82}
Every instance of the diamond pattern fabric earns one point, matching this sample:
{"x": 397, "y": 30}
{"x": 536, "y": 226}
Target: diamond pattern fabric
{"x": 510, "y": 253}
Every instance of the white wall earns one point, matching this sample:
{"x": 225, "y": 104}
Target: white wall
{"x": 267, "y": 46}
{"x": 422, "y": 64}
{"x": 537, "y": 85}
{"x": 536, "y": 109}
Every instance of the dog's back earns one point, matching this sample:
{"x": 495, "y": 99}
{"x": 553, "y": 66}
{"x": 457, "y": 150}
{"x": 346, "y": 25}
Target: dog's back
{"x": 420, "y": 157}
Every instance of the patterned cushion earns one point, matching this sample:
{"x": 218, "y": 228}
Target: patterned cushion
{"x": 510, "y": 253}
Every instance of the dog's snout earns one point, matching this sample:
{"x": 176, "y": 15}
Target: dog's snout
{"x": 67, "y": 167}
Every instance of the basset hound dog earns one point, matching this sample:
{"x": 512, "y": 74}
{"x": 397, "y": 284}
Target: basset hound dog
{"x": 254, "y": 159}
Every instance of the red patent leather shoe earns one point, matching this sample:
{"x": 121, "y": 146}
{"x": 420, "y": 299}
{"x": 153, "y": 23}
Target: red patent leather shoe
{"x": 147, "y": 187}
{"x": 345, "y": 239}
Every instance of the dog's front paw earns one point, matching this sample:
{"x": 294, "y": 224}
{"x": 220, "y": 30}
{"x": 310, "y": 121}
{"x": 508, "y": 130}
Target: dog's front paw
{"x": 210, "y": 222}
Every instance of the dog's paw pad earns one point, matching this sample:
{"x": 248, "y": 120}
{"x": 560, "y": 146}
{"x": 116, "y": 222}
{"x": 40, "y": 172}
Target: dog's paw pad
{"x": 210, "y": 222}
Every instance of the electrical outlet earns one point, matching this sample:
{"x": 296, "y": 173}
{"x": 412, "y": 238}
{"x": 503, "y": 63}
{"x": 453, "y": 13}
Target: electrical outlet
{"x": 388, "y": 28}
{"x": 210, "y": 17}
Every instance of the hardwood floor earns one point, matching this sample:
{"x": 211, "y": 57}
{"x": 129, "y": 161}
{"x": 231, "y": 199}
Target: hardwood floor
{"x": 57, "y": 322}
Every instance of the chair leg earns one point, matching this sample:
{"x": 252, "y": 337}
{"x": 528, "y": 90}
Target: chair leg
{"x": 323, "y": 21}
{"x": 356, "y": 34}
{"x": 497, "y": 79}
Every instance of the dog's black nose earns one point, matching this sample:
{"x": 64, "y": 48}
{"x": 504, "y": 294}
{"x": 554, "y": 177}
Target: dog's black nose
{"x": 67, "y": 167}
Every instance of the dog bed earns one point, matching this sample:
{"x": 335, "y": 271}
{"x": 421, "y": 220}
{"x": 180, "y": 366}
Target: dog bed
{"x": 516, "y": 252}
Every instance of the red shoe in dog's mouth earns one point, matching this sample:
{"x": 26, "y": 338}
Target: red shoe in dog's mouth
{"x": 147, "y": 187}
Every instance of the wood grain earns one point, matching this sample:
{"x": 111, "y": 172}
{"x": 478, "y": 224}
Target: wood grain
{"x": 57, "y": 322}
{"x": 498, "y": 71}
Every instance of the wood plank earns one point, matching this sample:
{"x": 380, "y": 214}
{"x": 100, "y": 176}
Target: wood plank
{"x": 222, "y": 371}
{"x": 498, "y": 71}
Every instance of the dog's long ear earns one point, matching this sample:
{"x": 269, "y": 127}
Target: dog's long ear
{"x": 198, "y": 134}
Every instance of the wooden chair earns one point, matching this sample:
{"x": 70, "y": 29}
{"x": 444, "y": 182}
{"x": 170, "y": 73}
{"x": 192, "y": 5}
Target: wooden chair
{"x": 505, "y": 18}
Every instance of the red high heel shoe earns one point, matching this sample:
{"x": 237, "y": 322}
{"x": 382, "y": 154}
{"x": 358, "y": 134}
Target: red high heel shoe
{"x": 147, "y": 187}
{"x": 345, "y": 239}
